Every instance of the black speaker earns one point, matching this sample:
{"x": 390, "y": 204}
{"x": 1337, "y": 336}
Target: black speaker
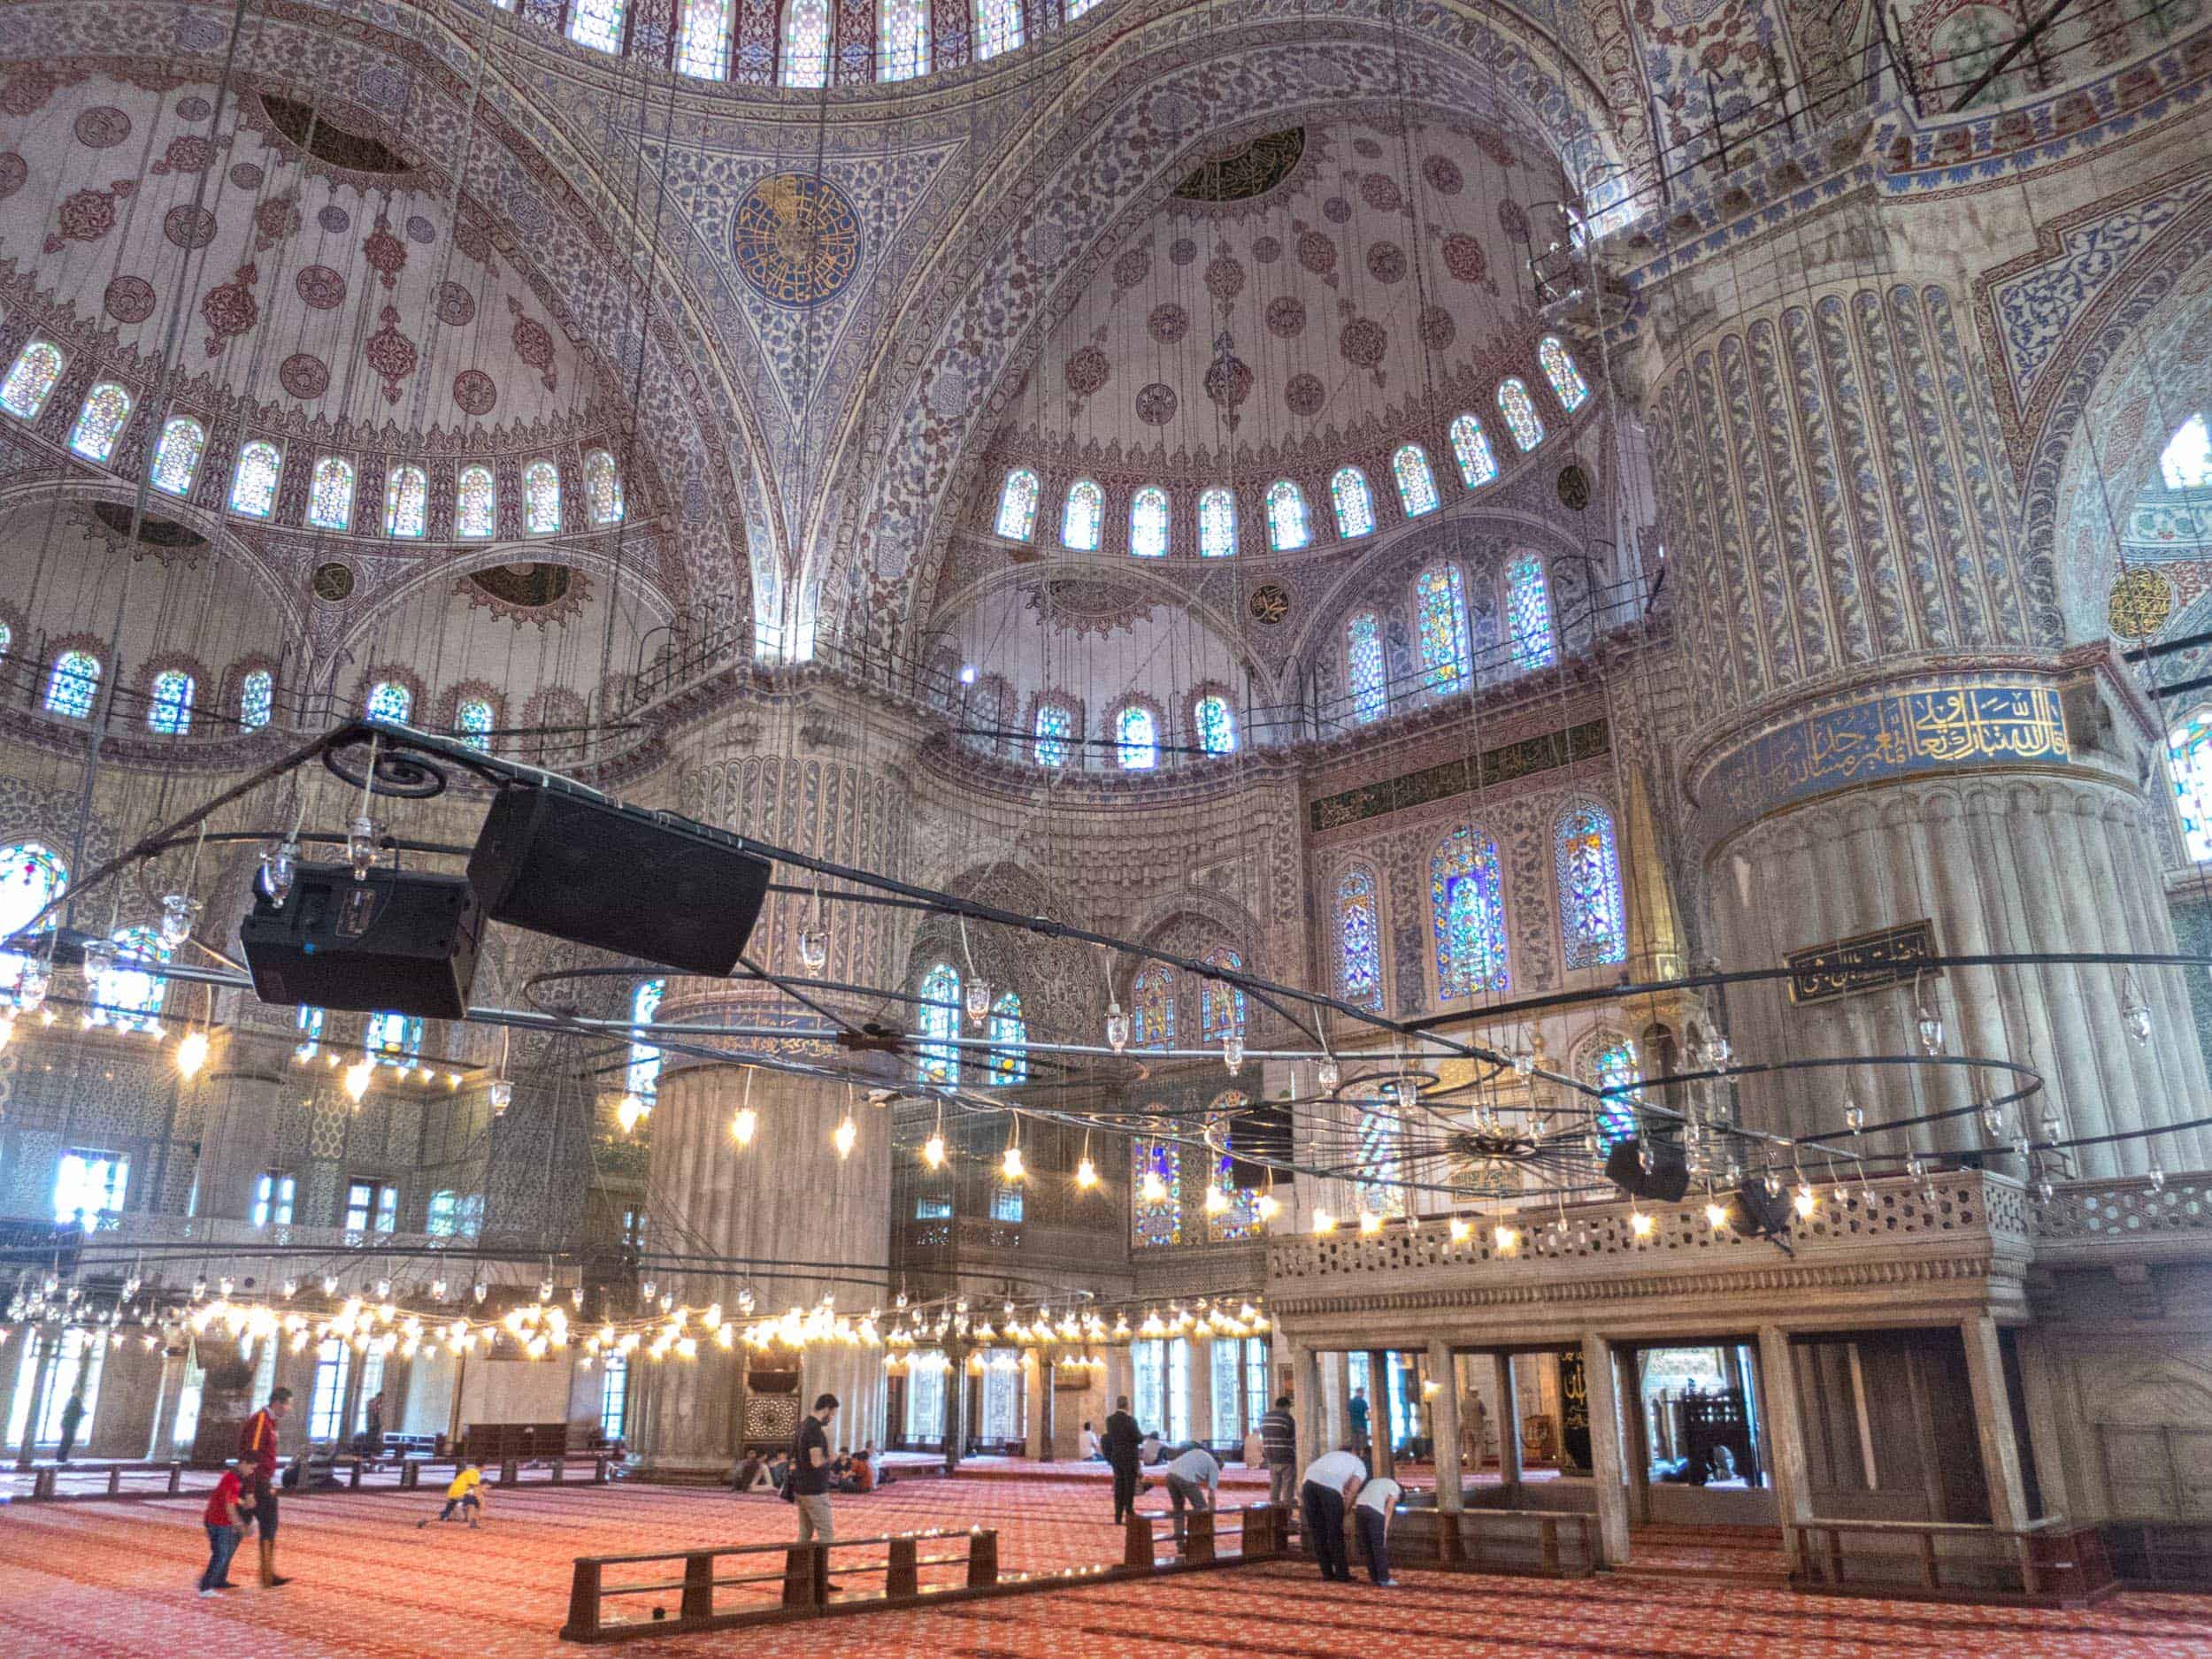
{"x": 401, "y": 941}
{"x": 1764, "y": 1215}
{"x": 1666, "y": 1182}
{"x": 640, "y": 884}
{"x": 1261, "y": 1132}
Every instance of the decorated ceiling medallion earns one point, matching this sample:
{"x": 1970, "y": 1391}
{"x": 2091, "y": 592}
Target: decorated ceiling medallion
{"x": 526, "y": 586}
{"x": 153, "y": 532}
{"x": 1574, "y": 487}
{"x": 796, "y": 238}
{"x": 334, "y": 582}
{"x": 2141, "y": 603}
{"x": 1090, "y": 607}
{"x": 1244, "y": 172}
{"x": 1270, "y": 604}
{"x": 328, "y": 138}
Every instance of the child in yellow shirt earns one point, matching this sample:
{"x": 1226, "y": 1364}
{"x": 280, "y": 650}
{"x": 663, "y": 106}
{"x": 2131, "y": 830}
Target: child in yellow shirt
{"x": 465, "y": 1495}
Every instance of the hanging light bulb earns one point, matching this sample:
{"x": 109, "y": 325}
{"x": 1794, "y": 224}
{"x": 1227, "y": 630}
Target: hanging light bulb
{"x": 1087, "y": 1174}
{"x": 1930, "y": 1029}
{"x": 192, "y": 1053}
{"x": 1460, "y": 1231}
{"x": 576, "y": 1298}
{"x": 1523, "y": 1062}
{"x": 199, "y": 1287}
{"x": 1773, "y": 1184}
{"x": 501, "y": 1093}
{"x": 545, "y": 1290}
{"x": 1217, "y": 1200}
{"x": 99, "y": 957}
{"x": 1267, "y": 1207}
{"x": 330, "y": 1284}
{"x": 1117, "y": 1027}
{"x": 2054, "y": 1126}
{"x": 629, "y": 1111}
{"x": 647, "y": 1289}
{"x": 1409, "y": 1094}
{"x": 1639, "y": 1224}
{"x": 480, "y": 1290}
{"x": 1010, "y": 1167}
{"x": 2155, "y": 1176}
{"x": 357, "y": 1076}
{"x": 291, "y": 1288}
{"x": 1371, "y": 1221}
{"x": 1233, "y": 1052}
{"x": 179, "y": 912}
{"x": 814, "y": 946}
{"x": 1328, "y": 1074}
{"x": 979, "y": 999}
{"x": 30, "y": 988}
{"x": 1152, "y": 1189}
{"x": 437, "y": 1290}
{"x": 743, "y": 1125}
{"x": 280, "y": 861}
{"x": 2135, "y": 1013}
{"x": 1323, "y": 1222}
{"x": 1507, "y": 1239}
{"x": 1854, "y": 1115}
{"x": 1807, "y": 1200}
{"x": 934, "y": 1150}
{"x": 1715, "y": 1215}
{"x": 1993, "y": 1119}
{"x": 846, "y": 1136}
{"x": 361, "y": 847}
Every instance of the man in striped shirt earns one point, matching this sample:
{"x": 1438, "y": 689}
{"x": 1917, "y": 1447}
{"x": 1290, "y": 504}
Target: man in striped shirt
{"x": 258, "y": 1441}
{"x": 1279, "y": 1437}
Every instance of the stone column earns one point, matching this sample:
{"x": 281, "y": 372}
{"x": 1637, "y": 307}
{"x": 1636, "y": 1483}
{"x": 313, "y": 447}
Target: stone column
{"x": 1608, "y": 1478}
{"x": 130, "y": 1405}
{"x": 1444, "y": 1420}
{"x": 1992, "y": 1425}
{"x": 1380, "y": 1411}
{"x": 245, "y": 1092}
{"x": 1508, "y": 1429}
{"x": 1308, "y": 1408}
{"x": 1201, "y": 1390}
{"x": 1785, "y": 1434}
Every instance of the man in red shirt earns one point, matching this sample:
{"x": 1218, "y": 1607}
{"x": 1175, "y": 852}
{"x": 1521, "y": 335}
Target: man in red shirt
{"x": 225, "y": 1526}
{"x": 258, "y": 1444}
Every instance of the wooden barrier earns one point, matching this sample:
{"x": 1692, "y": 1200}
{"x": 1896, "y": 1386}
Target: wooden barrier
{"x": 2051, "y": 1564}
{"x": 1531, "y": 1543}
{"x": 143, "y": 1481}
{"x": 2160, "y": 1554}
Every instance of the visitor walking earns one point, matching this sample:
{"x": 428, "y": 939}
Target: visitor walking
{"x": 810, "y": 1482}
{"x": 1377, "y": 1502}
{"x": 72, "y": 1416}
{"x": 1194, "y": 1478}
{"x": 1332, "y": 1484}
{"x": 225, "y": 1524}
{"x": 257, "y": 1440}
{"x": 1119, "y": 1445}
{"x": 1279, "y": 1440}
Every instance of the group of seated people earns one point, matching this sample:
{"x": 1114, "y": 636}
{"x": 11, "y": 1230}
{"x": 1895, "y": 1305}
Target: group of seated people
{"x": 848, "y": 1472}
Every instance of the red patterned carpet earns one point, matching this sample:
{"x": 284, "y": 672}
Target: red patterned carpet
{"x": 113, "y": 1581}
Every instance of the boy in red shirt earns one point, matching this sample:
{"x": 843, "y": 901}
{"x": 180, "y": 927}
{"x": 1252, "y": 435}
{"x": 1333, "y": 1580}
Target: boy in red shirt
{"x": 225, "y": 1524}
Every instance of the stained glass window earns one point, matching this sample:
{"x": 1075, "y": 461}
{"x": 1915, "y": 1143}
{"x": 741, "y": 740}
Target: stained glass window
{"x": 177, "y": 457}
{"x": 1217, "y": 523}
{"x": 1152, "y": 1007}
{"x": 1055, "y": 725}
{"x": 938, "y": 1061}
{"x": 1288, "y": 529}
{"x": 1559, "y": 369}
{"x": 1471, "y": 448}
{"x": 603, "y": 487}
{"x": 31, "y": 380}
{"x": 703, "y": 49}
{"x": 1359, "y": 938}
{"x": 1447, "y": 657}
{"x": 1363, "y": 656}
{"x": 1139, "y": 737}
{"x": 903, "y": 39}
{"x": 473, "y": 723}
{"x": 1467, "y": 913}
{"x": 75, "y": 682}
{"x": 1216, "y": 725}
{"x": 998, "y": 26}
{"x": 1416, "y": 484}
{"x": 1615, "y": 1065}
{"x": 257, "y": 699}
{"x": 540, "y": 498}
{"x": 2189, "y": 757}
{"x": 1147, "y": 523}
{"x": 30, "y": 877}
{"x": 169, "y": 711}
{"x": 597, "y": 24}
{"x": 1528, "y": 611}
{"x": 1519, "y": 410}
{"x": 7, "y": 638}
{"x": 106, "y": 407}
{"x": 1076, "y": 8}
{"x": 394, "y": 1039}
{"x": 1355, "y": 501}
{"x": 806, "y": 43}
{"x": 1591, "y": 914}
{"x": 1239, "y": 1220}
{"x": 127, "y": 995}
{"x": 330, "y": 494}
{"x": 2187, "y": 461}
{"x": 1156, "y": 1221}
{"x": 1018, "y": 504}
{"x": 309, "y": 1026}
{"x": 1082, "y": 518}
{"x": 476, "y": 503}
{"x": 642, "y": 1078}
{"x": 253, "y": 487}
{"x": 390, "y": 700}
{"x": 1382, "y": 1190}
{"x": 406, "y": 501}
{"x": 1010, "y": 1041}
{"x": 1221, "y": 1007}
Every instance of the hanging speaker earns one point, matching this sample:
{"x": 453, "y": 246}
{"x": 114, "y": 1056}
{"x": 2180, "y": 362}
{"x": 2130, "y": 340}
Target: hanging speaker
{"x": 1664, "y": 1182}
{"x": 1262, "y": 1132}
{"x": 640, "y": 884}
{"x": 1760, "y": 1213}
{"x": 401, "y": 940}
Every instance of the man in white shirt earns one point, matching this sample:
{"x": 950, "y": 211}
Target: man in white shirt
{"x": 1332, "y": 1483}
{"x": 1091, "y": 1452}
{"x": 1377, "y": 1502}
{"x": 1192, "y": 1478}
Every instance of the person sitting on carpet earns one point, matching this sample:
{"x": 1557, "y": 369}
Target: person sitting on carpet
{"x": 854, "y": 1473}
{"x": 1091, "y": 1452}
{"x": 465, "y": 1495}
{"x": 751, "y": 1475}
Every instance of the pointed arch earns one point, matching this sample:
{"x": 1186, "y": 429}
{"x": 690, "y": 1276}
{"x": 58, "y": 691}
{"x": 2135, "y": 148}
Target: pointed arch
{"x": 1467, "y": 916}
{"x": 1148, "y": 523}
{"x": 1440, "y": 607}
{"x": 1471, "y": 448}
{"x": 1018, "y": 504}
{"x": 1288, "y": 528}
{"x": 1592, "y": 911}
{"x": 1354, "y": 501}
{"x": 1416, "y": 483}
{"x": 177, "y": 457}
{"x": 1083, "y": 516}
{"x": 1359, "y": 936}
{"x": 31, "y": 380}
{"x": 253, "y": 487}
{"x": 100, "y": 421}
{"x": 938, "y": 1059}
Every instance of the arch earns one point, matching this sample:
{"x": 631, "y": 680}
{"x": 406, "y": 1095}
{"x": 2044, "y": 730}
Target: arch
{"x": 1365, "y": 669}
{"x": 804, "y": 59}
{"x": 1586, "y": 862}
{"x": 1152, "y": 1007}
{"x": 1156, "y": 1205}
{"x": 169, "y": 702}
{"x": 1359, "y": 936}
{"x": 1288, "y": 528}
{"x": 1470, "y": 448}
{"x": 1137, "y": 737}
{"x": 406, "y": 503}
{"x": 476, "y": 503}
{"x": 177, "y": 457}
{"x": 1052, "y": 733}
{"x": 32, "y": 876}
{"x": 1558, "y": 364}
{"x": 1467, "y": 916}
{"x": 1148, "y": 523}
{"x": 541, "y": 499}
{"x": 390, "y": 700}
{"x": 330, "y": 494}
{"x": 31, "y": 380}
{"x": 1214, "y": 723}
{"x": 1018, "y": 504}
{"x": 73, "y": 685}
{"x": 257, "y": 699}
{"x": 474, "y": 719}
{"x": 703, "y": 51}
{"x": 253, "y": 487}
{"x": 100, "y": 421}
{"x": 937, "y": 1060}
{"x": 1440, "y": 609}
{"x": 1221, "y": 1007}
{"x": 1217, "y": 522}
{"x": 1009, "y": 1042}
{"x": 1518, "y": 411}
{"x": 1416, "y": 483}
{"x": 1353, "y": 502}
{"x": 902, "y": 40}
{"x": 603, "y": 487}
{"x": 643, "y": 1075}
{"x": 1083, "y": 516}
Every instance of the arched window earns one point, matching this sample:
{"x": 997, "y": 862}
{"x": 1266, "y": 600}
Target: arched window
{"x": 902, "y": 47}
{"x": 1138, "y": 733}
{"x": 393, "y": 1039}
{"x": 7, "y": 638}
{"x": 169, "y": 711}
{"x": 1216, "y": 724}
{"x": 540, "y": 498}
{"x": 597, "y": 24}
{"x": 1152, "y": 1007}
{"x": 1355, "y": 501}
{"x": 130, "y": 994}
{"x": 475, "y": 502}
{"x": 257, "y": 699}
{"x": 31, "y": 875}
{"x": 1010, "y": 1041}
{"x": 1528, "y": 611}
{"x": 1076, "y": 8}
{"x": 998, "y": 26}
{"x": 2189, "y": 758}
{"x": 1221, "y": 1007}
{"x": 1157, "y": 1220}
{"x": 1519, "y": 410}
{"x": 806, "y": 43}
{"x": 1559, "y": 369}
{"x": 1593, "y": 916}
{"x": 1082, "y": 516}
{"x": 1217, "y": 523}
{"x": 253, "y": 487}
{"x": 473, "y": 723}
{"x": 1471, "y": 448}
{"x": 1614, "y": 1067}
{"x": 1056, "y": 726}
{"x": 1447, "y": 657}
{"x": 1018, "y": 504}
{"x": 1416, "y": 484}
{"x": 73, "y": 684}
{"x": 642, "y": 1076}
{"x": 390, "y": 700}
{"x": 703, "y": 49}
{"x": 330, "y": 494}
{"x": 309, "y": 1026}
{"x": 938, "y": 1060}
{"x": 2187, "y": 461}
{"x": 31, "y": 380}
{"x": 1381, "y": 1166}
{"x": 1467, "y": 914}
{"x": 406, "y": 501}
{"x": 177, "y": 457}
{"x": 1287, "y": 527}
{"x": 1363, "y": 657}
{"x": 106, "y": 407}
{"x": 603, "y": 487}
{"x": 1359, "y": 938}
{"x": 1148, "y": 523}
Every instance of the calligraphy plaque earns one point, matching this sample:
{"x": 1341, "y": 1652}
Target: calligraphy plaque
{"x": 1869, "y": 962}
{"x": 1574, "y": 1411}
